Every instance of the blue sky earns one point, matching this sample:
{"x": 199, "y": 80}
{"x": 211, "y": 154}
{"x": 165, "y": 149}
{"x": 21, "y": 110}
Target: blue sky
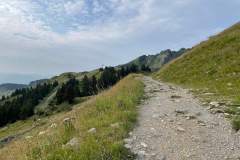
{"x": 41, "y": 38}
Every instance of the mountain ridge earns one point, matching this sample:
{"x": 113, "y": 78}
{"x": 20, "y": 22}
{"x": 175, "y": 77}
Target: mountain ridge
{"x": 156, "y": 61}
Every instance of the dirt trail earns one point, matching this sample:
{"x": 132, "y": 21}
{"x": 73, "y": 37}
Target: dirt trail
{"x": 173, "y": 125}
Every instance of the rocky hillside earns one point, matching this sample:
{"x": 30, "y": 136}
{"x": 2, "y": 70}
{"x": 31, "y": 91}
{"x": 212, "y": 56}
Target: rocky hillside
{"x": 155, "y": 62}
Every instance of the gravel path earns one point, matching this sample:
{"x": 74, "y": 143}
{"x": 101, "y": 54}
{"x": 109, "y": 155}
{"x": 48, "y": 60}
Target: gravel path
{"x": 173, "y": 125}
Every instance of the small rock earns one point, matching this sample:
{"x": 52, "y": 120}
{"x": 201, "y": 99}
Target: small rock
{"x": 189, "y": 117}
{"x": 177, "y": 100}
{"x": 201, "y": 123}
{"x": 215, "y": 111}
{"x": 67, "y": 120}
{"x": 208, "y": 94}
{"x": 74, "y": 142}
{"x": 153, "y": 129}
{"x": 226, "y": 114}
{"x": 128, "y": 146}
{"x": 28, "y": 137}
{"x": 92, "y": 130}
{"x": 175, "y": 96}
{"x": 143, "y": 144}
{"x": 180, "y": 129}
{"x": 42, "y": 133}
{"x": 115, "y": 125}
{"x": 128, "y": 140}
{"x": 214, "y": 104}
{"x": 180, "y": 111}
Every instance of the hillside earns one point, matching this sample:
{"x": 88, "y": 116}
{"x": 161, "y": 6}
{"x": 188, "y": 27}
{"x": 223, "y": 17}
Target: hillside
{"x": 155, "y": 62}
{"x": 92, "y": 130}
{"x": 212, "y": 67}
{"x": 35, "y": 83}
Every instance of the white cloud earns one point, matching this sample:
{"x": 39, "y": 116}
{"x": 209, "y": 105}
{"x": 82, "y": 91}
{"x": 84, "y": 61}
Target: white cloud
{"x": 73, "y": 8}
{"x": 69, "y": 35}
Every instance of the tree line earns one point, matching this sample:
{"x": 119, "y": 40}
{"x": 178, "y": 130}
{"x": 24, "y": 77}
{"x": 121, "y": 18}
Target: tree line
{"x": 21, "y": 103}
{"x": 89, "y": 86}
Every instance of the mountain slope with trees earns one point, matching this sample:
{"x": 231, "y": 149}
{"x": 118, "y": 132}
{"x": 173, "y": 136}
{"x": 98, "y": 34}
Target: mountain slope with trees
{"x": 155, "y": 62}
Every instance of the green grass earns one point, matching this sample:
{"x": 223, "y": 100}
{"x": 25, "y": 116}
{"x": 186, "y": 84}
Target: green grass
{"x": 15, "y": 128}
{"x": 117, "y": 105}
{"x": 64, "y": 77}
{"x": 212, "y": 66}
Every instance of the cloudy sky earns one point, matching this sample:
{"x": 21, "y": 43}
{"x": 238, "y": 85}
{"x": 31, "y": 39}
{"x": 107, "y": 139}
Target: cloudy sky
{"x": 41, "y": 38}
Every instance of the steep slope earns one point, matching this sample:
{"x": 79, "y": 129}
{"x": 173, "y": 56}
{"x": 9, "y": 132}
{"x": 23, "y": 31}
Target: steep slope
{"x": 213, "y": 65}
{"x": 155, "y": 62}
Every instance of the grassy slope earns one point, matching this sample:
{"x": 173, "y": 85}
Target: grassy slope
{"x": 117, "y": 105}
{"x": 62, "y": 78}
{"x": 212, "y": 66}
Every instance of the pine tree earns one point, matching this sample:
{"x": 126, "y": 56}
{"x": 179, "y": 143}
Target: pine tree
{"x": 86, "y": 89}
{"x": 93, "y": 86}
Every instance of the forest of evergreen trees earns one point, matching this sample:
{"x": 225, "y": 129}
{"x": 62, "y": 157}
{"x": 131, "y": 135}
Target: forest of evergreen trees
{"x": 21, "y": 104}
{"x": 91, "y": 85}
